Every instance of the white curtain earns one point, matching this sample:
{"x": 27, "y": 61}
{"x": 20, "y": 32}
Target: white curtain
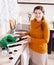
{"x": 8, "y": 9}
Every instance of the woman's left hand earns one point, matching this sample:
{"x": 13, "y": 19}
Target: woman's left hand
{"x": 28, "y": 39}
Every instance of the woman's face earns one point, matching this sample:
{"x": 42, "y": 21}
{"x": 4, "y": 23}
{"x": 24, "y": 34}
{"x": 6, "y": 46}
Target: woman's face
{"x": 38, "y": 14}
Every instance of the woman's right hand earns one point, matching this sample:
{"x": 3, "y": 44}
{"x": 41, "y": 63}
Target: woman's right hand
{"x": 21, "y": 34}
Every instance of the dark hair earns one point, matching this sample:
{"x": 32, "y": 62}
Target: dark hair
{"x": 42, "y": 9}
{"x": 39, "y": 7}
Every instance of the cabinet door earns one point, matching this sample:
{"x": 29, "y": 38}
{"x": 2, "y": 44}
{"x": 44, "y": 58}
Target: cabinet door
{"x": 25, "y": 56}
{"x": 52, "y": 44}
{"x": 18, "y": 62}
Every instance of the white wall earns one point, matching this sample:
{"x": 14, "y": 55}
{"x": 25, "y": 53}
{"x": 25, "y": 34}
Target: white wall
{"x": 25, "y": 8}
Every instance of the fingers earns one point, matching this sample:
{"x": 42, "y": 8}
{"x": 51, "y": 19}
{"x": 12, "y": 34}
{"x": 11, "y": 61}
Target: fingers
{"x": 28, "y": 39}
{"x": 21, "y": 34}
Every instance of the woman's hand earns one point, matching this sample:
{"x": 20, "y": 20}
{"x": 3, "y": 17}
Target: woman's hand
{"x": 21, "y": 34}
{"x": 28, "y": 39}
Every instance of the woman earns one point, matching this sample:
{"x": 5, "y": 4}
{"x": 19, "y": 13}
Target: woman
{"x": 39, "y": 37}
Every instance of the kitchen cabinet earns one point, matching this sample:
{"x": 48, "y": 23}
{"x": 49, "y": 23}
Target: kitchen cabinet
{"x": 51, "y": 42}
{"x": 18, "y": 62}
{"x": 25, "y": 56}
{"x": 18, "y": 57}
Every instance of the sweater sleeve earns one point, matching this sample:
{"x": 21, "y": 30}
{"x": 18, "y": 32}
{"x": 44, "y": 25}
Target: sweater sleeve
{"x": 43, "y": 40}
